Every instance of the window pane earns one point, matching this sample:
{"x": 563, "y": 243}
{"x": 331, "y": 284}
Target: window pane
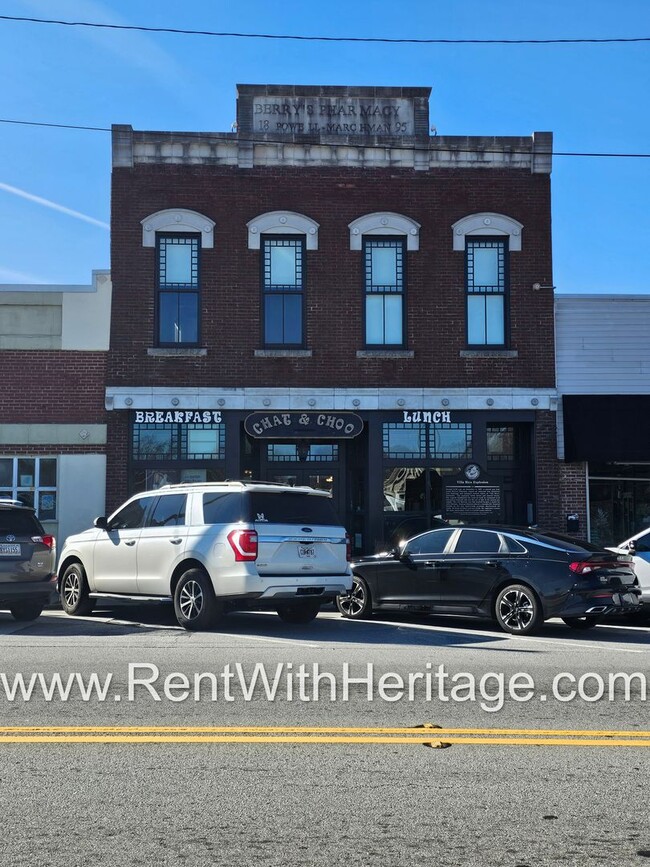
{"x": 404, "y": 489}
{"x": 478, "y": 541}
{"x": 178, "y": 263}
{"x": 292, "y": 319}
{"x": 475, "y": 319}
{"x": 434, "y": 542}
{"x": 151, "y": 441}
{"x": 204, "y": 442}
{"x": 188, "y": 317}
{"x": 452, "y": 441}
{"x": 384, "y": 266}
{"x": 48, "y": 472}
{"x": 486, "y": 266}
{"x": 500, "y": 442}
{"x": 375, "y": 319}
{"x": 283, "y": 266}
{"x": 169, "y": 325}
{"x": 393, "y": 319}
{"x": 404, "y": 441}
{"x": 26, "y": 473}
{"x": 494, "y": 316}
{"x": 46, "y": 506}
{"x": 169, "y": 511}
{"x": 273, "y": 319}
{"x": 26, "y": 497}
{"x": 6, "y": 472}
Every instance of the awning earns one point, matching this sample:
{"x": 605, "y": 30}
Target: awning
{"x": 606, "y": 427}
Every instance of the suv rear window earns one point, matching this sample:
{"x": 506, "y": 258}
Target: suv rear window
{"x": 222, "y": 508}
{"x": 20, "y": 523}
{"x": 288, "y": 508}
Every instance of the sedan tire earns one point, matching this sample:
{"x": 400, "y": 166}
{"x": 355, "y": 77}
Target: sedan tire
{"x": 195, "y": 605}
{"x": 74, "y": 592}
{"x": 358, "y": 604}
{"x": 517, "y": 609}
{"x": 580, "y": 622}
{"x": 28, "y": 610}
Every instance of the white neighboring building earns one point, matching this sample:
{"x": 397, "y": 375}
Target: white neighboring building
{"x": 53, "y": 345}
{"x": 603, "y": 379}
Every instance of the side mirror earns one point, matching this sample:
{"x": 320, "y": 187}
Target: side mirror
{"x": 631, "y": 546}
{"x": 403, "y": 555}
{"x": 101, "y": 523}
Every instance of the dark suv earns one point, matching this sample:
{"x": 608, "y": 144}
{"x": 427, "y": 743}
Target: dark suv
{"x": 27, "y": 558}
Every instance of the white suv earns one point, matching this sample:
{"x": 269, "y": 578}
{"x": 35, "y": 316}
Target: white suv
{"x": 212, "y": 547}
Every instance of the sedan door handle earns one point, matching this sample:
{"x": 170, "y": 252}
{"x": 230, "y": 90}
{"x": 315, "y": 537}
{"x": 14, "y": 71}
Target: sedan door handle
{"x": 176, "y": 541}
{"x": 432, "y": 564}
{"x": 493, "y": 563}
{"x": 130, "y": 542}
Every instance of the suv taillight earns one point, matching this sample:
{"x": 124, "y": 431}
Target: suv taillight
{"x": 49, "y": 541}
{"x": 244, "y": 544}
{"x": 348, "y": 547}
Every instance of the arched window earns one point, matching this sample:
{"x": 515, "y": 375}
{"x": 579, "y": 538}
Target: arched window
{"x": 178, "y": 236}
{"x": 384, "y": 238}
{"x": 282, "y": 238}
{"x": 487, "y": 240}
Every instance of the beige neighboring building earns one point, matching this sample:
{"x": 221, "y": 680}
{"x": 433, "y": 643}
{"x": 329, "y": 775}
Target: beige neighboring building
{"x": 54, "y": 341}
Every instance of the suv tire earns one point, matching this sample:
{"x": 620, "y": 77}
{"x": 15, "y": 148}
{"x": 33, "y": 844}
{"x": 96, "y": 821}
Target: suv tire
{"x": 26, "y": 610}
{"x": 195, "y": 604}
{"x": 298, "y": 612}
{"x": 74, "y": 592}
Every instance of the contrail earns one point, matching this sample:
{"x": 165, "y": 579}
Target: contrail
{"x": 55, "y": 207}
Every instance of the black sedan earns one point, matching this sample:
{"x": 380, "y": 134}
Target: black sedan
{"x": 517, "y": 577}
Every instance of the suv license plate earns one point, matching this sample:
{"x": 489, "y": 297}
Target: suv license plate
{"x": 9, "y": 550}
{"x": 306, "y": 551}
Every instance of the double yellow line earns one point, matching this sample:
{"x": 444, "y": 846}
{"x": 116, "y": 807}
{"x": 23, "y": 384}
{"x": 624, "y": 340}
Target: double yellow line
{"x": 428, "y": 734}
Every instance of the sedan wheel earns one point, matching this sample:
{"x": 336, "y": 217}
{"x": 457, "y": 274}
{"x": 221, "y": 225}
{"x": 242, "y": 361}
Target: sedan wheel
{"x": 195, "y": 604}
{"x": 74, "y": 591}
{"x": 517, "y": 609}
{"x": 359, "y": 603}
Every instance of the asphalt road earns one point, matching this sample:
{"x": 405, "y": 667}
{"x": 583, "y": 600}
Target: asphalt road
{"x": 105, "y": 792}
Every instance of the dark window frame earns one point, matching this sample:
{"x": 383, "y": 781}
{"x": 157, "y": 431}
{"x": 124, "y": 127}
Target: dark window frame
{"x": 368, "y": 242}
{"x": 472, "y": 242}
{"x": 177, "y": 288}
{"x": 266, "y": 291}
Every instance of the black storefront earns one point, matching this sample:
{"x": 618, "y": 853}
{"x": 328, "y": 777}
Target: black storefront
{"x": 611, "y": 435}
{"x": 391, "y": 473}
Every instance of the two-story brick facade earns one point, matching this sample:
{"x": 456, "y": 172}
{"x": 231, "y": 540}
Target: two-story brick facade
{"x": 332, "y": 296}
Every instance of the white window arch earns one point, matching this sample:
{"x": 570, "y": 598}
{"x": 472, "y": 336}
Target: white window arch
{"x": 282, "y": 223}
{"x": 384, "y": 223}
{"x": 177, "y": 220}
{"x": 487, "y": 223}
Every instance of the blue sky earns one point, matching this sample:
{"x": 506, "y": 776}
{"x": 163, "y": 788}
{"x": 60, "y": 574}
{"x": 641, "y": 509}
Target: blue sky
{"x": 55, "y": 184}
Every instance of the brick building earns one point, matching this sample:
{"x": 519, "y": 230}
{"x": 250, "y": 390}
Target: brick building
{"x": 53, "y": 348}
{"x": 330, "y": 295}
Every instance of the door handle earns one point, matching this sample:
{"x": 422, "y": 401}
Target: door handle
{"x": 493, "y": 563}
{"x": 432, "y": 564}
{"x": 130, "y": 542}
{"x": 176, "y": 541}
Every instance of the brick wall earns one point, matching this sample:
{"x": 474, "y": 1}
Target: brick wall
{"x": 52, "y": 387}
{"x": 334, "y": 299}
{"x": 573, "y": 494}
{"x": 547, "y": 470}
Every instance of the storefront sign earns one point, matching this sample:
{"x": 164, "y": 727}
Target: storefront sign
{"x": 426, "y": 417}
{"x": 472, "y": 496}
{"x": 333, "y": 115}
{"x": 303, "y": 425}
{"x": 177, "y": 416}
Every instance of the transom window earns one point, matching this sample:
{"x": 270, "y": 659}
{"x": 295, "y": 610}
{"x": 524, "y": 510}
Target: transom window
{"x": 384, "y": 289}
{"x": 445, "y": 441}
{"x": 178, "y": 289}
{"x": 282, "y": 287}
{"x": 486, "y": 291}
{"x": 32, "y": 481}
{"x": 165, "y": 442}
{"x": 290, "y": 452}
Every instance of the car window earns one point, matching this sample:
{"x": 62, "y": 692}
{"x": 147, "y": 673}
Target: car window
{"x": 478, "y": 542}
{"x": 514, "y": 546}
{"x": 287, "y": 507}
{"x": 434, "y": 542}
{"x": 131, "y": 516}
{"x": 222, "y": 508}
{"x": 642, "y": 545}
{"x": 20, "y": 523}
{"x": 169, "y": 511}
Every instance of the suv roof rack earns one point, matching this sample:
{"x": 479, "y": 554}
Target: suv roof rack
{"x": 5, "y": 501}
{"x": 243, "y": 482}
